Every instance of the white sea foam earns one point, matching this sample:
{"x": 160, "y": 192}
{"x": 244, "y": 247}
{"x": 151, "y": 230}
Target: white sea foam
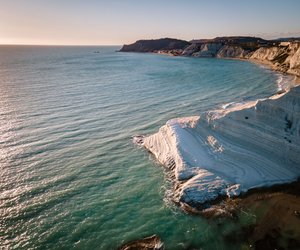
{"x": 284, "y": 82}
{"x": 227, "y": 105}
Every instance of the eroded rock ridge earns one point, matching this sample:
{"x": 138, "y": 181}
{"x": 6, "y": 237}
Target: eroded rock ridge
{"x": 228, "y": 151}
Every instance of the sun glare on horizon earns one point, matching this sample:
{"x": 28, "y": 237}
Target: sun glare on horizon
{"x": 122, "y": 22}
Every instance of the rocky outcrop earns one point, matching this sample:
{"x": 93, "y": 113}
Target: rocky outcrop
{"x": 241, "y": 147}
{"x": 191, "y": 49}
{"x": 233, "y": 51}
{"x": 149, "y": 243}
{"x": 198, "y": 48}
{"x": 285, "y": 57}
{"x": 294, "y": 60}
{"x": 282, "y": 55}
{"x": 166, "y": 44}
{"x": 230, "y": 151}
{"x": 216, "y": 49}
{"x": 208, "y": 50}
{"x": 231, "y": 47}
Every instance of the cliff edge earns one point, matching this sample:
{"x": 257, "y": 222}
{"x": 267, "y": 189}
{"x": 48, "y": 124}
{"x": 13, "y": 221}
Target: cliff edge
{"x": 284, "y": 57}
{"x": 156, "y": 45}
{"x": 230, "y": 151}
{"x": 238, "y": 148}
{"x": 281, "y": 55}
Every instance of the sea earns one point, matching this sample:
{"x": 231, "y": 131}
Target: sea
{"x": 70, "y": 176}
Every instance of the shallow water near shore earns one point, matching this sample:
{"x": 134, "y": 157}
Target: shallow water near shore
{"x": 71, "y": 177}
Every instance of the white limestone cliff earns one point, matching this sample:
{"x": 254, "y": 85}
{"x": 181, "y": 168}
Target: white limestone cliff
{"x": 285, "y": 58}
{"x": 230, "y": 51}
{"x": 231, "y": 150}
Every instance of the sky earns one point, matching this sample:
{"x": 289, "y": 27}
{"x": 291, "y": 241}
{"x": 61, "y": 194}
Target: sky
{"x": 116, "y": 22}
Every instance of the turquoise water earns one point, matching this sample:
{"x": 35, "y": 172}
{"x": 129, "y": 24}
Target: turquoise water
{"x": 70, "y": 176}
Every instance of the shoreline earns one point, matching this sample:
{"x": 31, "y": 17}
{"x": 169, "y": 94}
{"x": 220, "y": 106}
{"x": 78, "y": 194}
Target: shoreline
{"x": 171, "y": 165}
{"x": 266, "y": 63}
{"x": 275, "y": 211}
{"x": 295, "y": 81}
{"x": 276, "y": 207}
{"x": 267, "y": 204}
{"x": 172, "y": 147}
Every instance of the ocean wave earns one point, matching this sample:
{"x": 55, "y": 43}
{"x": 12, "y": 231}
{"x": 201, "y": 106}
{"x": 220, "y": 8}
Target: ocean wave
{"x": 284, "y": 82}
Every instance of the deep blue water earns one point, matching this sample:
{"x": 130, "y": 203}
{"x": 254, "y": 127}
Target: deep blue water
{"x": 70, "y": 178}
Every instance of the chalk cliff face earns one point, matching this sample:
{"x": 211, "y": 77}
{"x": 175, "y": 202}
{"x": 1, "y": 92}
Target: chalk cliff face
{"x": 229, "y": 151}
{"x": 207, "y": 50}
{"x": 232, "y": 47}
{"x": 285, "y": 57}
{"x": 241, "y": 147}
{"x": 294, "y": 61}
{"x": 198, "y": 48}
{"x": 233, "y": 51}
{"x": 282, "y": 56}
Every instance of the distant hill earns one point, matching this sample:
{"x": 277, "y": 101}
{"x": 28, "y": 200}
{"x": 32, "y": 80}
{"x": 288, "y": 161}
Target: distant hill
{"x": 288, "y": 39}
{"x": 170, "y": 45}
{"x": 282, "y": 54}
{"x": 232, "y": 40}
{"x": 155, "y": 45}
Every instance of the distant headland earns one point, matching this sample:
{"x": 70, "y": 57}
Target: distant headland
{"x": 282, "y": 54}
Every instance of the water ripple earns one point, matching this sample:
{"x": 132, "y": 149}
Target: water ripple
{"x": 70, "y": 177}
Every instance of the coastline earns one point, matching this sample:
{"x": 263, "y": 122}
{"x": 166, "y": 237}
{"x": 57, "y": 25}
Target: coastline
{"x": 266, "y": 203}
{"x": 170, "y": 145}
{"x": 230, "y": 199}
{"x": 295, "y": 81}
{"x": 280, "y": 55}
{"x": 173, "y": 158}
{"x": 176, "y": 146}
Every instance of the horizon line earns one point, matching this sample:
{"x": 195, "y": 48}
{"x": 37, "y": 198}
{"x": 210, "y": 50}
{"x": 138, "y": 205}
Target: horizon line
{"x": 67, "y": 45}
{"x": 70, "y": 45}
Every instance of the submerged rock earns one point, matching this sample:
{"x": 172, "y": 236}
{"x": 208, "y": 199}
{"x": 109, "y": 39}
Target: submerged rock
{"x": 149, "y": 243}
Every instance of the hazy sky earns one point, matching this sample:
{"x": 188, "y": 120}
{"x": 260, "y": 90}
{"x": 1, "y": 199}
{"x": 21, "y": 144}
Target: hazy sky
{"x": 124, "y": 21}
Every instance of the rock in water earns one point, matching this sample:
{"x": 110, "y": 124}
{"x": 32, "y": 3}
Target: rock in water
{"x": 232, "y": 150}
{"x": 138, "y": 139}
{"x": 149, "y": 243}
